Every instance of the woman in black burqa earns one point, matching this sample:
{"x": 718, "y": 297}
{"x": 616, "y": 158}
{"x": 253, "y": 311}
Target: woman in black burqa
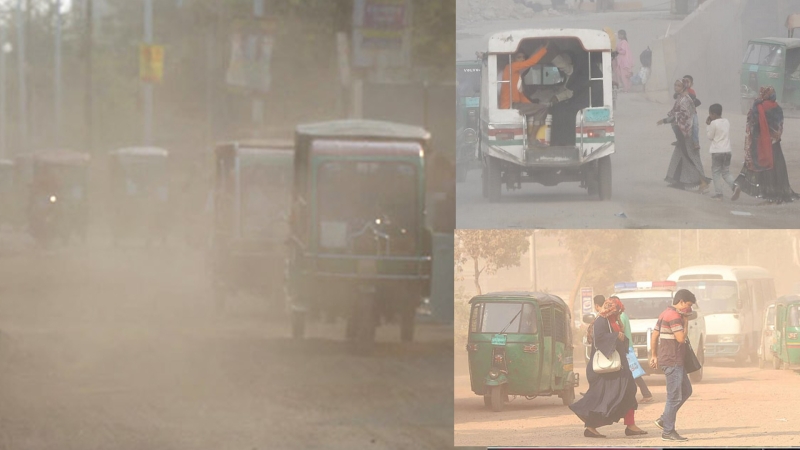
{"x": 611, "y": 396}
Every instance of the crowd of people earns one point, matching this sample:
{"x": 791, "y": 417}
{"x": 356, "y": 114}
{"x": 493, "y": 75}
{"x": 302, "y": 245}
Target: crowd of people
{"x": 612, "y": 393}
{"x": 764, "y": 174}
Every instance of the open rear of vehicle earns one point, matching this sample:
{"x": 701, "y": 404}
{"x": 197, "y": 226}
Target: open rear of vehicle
{"x": 575, "y": 143}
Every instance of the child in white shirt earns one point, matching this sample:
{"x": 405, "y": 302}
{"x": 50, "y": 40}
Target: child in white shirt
{"x": 718, "y": 130}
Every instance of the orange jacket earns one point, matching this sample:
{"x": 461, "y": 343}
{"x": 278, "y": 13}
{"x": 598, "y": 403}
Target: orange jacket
{"x": 516, "y": 68}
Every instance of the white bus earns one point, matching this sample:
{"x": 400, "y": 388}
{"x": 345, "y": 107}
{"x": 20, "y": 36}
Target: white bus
{"x": 733, "y": 299}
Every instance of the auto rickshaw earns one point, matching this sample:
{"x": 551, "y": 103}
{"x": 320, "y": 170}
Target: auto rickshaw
{"x": 252, "y": 183}
{"x": 139, "y": 202}
{"x": 468, "y": 77}
{"x": 58, "y": 207}
{"x": 359, "y": 247}
{"x": 7, "y": 192}
{"x": 786, "y": 347}
{"x": 520, "y": 343}
{"x": 775, "y": 62}
{"x": 768, "y": 338}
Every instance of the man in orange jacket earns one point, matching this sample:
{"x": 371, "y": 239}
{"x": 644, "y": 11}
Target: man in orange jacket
{"x": 511, "y": 94}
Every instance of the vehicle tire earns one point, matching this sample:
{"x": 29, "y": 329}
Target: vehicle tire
{"x": 776, "y": 362}
{"x": 407, "y": 323}
{"x": 461, "y": 173}
{"x": 365, "y": 324}
{"x": 498, "y": 399}
{"x": 298, "y": 325}
{"x": 591, "y": 180}
{"x": 487, "y": 398}
{"x": 604, "y": 178}
{"x": 568, "y": 397}
{"x": 494, "y": 181}
{"x": 485, "y": 182}
{"x": 697, "y": 377}
{"x": 741, "y": 358}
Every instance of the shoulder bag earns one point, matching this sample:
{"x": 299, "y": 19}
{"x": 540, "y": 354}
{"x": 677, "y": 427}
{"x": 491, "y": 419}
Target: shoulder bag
{"x": 601, "y": 364}
{"x": 690, "y": 361}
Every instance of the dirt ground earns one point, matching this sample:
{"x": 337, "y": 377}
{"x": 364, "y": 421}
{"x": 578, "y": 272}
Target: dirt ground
{"x": 103, "y": 348}
{"x": 641, "y": 199}
{"x": 732, "y": 406}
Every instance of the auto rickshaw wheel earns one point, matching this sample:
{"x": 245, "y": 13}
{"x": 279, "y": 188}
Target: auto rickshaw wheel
{"x": 776, "y": 362}
{"x": 498, "y": 398}
{"x": 484, "y": 182}
{"x": 568, "y": 397}
{"x": 487, "y": 398}
{"x": 407, "y": 324}
{"x": 494, "y": 180}
{"x": 604, "y": 178}
{"x": 365, "y": 323}
{"x": 298, "y": 325}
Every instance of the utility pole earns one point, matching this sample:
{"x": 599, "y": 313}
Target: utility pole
{"x": 23, "y": 92}
{"x": 258, "y": 102}
{"x": 57, "y": 123}
{"x": 88, "y": 94}
{"x": 534, "y": 268}
{"x": 148, "y": 87}
{"x": 4, "y": 49}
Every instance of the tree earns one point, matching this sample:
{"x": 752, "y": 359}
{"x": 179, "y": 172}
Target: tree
{"x": 600, "y": 257}
{"x": 489, "y": 251}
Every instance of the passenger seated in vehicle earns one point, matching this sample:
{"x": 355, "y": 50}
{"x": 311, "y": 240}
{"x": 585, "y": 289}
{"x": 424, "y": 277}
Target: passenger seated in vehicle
{"x": 571, "y": 97}
{"x": 513, "y": 96}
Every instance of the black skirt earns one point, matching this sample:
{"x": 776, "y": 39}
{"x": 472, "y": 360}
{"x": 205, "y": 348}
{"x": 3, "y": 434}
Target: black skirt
{"x": 772, "y": 184}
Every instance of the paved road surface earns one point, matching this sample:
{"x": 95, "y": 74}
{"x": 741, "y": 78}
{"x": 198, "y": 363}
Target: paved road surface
{"x": 123, "y": 350}
{"x": 732, "y": 406}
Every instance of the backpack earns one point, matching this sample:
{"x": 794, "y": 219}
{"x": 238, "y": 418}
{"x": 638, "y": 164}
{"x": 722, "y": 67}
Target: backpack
{"x": 646, "y": 58}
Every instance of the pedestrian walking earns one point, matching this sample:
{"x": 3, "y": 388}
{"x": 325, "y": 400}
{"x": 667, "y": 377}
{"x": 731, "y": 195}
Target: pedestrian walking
{"x": 697, "y": 103}
{"x": 611, "y": 395}
{"x": 718, "y": 132}
{"x": 623, "y": 62}
{"x": 685, "y": 167}
{"x": 668, "y": 350}
{"x": 764, "y": 174}
{"x": 647, "y": 396}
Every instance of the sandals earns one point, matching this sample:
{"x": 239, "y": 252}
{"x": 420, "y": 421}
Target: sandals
{"x": 589, "y": 434}
{"x": 646, "y": 400}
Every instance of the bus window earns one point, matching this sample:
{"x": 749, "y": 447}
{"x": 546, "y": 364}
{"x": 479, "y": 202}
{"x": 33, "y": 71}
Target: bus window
{"x": 744, "y": 296}
{"x": 756, "y": 294}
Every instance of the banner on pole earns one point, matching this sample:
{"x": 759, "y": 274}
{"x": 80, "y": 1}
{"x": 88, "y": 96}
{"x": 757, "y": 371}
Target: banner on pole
{"x": 587, "y": 294}
{"x": 382, "y": 33}
{"x": 251, "y": 56}
{"x": 151, "y": 63}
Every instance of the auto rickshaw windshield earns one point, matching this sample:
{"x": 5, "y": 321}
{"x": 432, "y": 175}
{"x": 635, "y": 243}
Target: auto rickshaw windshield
{"x": 764, "y": 54}
{"x": 512, "y": 318}
{"x": 354, "y": 196}
{"x": 469, "y": 82}
{"x": 794, "y": 316}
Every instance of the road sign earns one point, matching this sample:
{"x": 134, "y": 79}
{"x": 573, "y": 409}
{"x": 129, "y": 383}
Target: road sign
{"x": 151, "y": 63}
{"x": 586, "y": 300}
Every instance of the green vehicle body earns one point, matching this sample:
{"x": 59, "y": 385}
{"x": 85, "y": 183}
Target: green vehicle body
{"x": 252, "y": 185}
{"x": 139, "y": 188}
{"x": 370, "y": 269}
{"x": 786, "y": 345}
{"x": 532, "y": 358}
{"x": 771, "y": 62}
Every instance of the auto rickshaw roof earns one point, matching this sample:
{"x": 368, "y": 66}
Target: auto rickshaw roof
{"x": 787, "y": 299}
{"x": 140, "y": 151}
{"x": 788, "y": 42}
{"x": 539, "y": 297}
{"x": 367, "y": 129}
{"x": 508, "y": 41}
{"x": 62, "y": 156}
{"x": 277, "y": 144}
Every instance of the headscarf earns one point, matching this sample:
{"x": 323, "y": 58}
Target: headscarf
{"x": 611, "y": 310}
{"x": 764, "y": 122}
{"x": 623, "y": 35}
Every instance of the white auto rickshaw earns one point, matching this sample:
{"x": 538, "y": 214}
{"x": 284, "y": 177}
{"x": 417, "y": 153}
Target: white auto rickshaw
{"x": 564, "y": 132}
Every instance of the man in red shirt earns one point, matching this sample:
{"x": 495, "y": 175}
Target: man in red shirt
{"x": 668, "y": 348}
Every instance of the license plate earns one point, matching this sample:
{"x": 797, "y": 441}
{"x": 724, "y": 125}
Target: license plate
{"x": 499, "y": 339}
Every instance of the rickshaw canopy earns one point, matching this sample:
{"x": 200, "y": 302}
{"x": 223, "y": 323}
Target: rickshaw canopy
{"x": 508, "y": 41}
{"x": 787, "y": 42}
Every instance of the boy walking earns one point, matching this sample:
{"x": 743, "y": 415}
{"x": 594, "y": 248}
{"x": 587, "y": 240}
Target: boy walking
{"x": 718, "y": 132}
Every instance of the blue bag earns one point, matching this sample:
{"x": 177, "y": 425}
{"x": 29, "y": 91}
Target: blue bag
{"x": 633, "y": 362}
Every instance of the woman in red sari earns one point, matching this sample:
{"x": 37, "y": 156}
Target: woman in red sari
{"x": 764, "y": 174}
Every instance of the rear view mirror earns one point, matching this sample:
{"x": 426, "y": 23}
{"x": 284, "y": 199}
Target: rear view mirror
{"x": 588, "y": 318}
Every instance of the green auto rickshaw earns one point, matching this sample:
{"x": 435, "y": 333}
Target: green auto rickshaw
{"x": 468, "y": 78}
{"x": 520, "y": 343}
{"x": 139, "y": 187}
{"x": 58, "y": 208}
{"x": 252, "y": 185}
{"x": 359, "y": 247}
{"x": 786, "y": 345}
{"x": 775, "y": 62}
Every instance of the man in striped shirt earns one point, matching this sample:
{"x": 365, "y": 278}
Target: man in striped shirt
{"x": 668, "y": 348}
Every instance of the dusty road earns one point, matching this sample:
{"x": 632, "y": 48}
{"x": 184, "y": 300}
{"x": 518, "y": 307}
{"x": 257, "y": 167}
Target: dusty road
{"x": 639, "y": 165}
{"x": 732, "y": 406}
{"x": 123, "y": 350}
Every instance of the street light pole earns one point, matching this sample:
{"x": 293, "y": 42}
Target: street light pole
{"x": 88, "y": 93}
{"x": 23, "y": 92}
{"x": 3, "y": 51}
{"x": 148, "y": 87}
{"x": 57, "y": 123}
